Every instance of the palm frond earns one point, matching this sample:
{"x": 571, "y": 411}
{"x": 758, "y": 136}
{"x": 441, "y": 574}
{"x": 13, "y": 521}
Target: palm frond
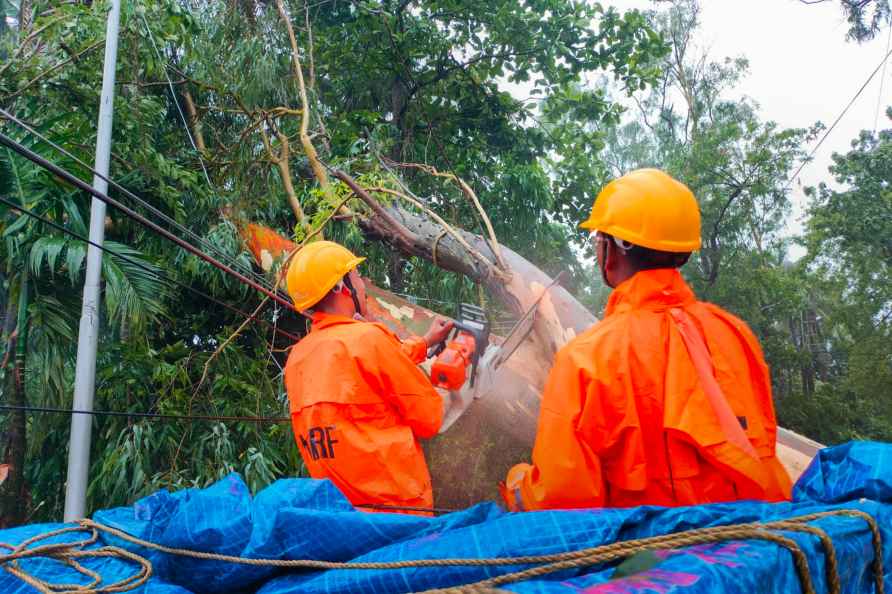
{"x": 132, "y": 291}
{"x": 47, "y": 249}
{"x": 53, "y": 340}
{"x": 74, "y": 259}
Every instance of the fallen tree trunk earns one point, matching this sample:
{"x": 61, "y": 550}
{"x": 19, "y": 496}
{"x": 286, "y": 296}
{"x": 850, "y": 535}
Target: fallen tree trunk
{"x": 560, "y": 315}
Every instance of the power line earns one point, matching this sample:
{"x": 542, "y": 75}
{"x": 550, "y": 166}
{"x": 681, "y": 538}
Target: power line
{"x": 80, "y": 184}
{"x": 142, "y": 415}
{"x": 830, "y": 129}
{"x": 219, "y": 418}
{"x": 207, "y": 245}
{"x": 141, "y": 265}
{"x": 167, "y": 219}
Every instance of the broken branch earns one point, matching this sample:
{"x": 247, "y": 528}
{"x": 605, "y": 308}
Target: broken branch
{"x": 469, "y": 193}
{"x": 281, "y": 160}
{"x": 440, "y": 221}
{"x": 401, "y": 233}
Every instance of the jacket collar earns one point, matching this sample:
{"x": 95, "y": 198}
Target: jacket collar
{"x": 656, "y": 290}
{"x": 322, "y": 320}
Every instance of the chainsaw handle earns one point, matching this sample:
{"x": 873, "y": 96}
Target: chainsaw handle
{"x": 441, "y": 346}
{"x": 437, "y": 348}
{"x": 457, "y": 327}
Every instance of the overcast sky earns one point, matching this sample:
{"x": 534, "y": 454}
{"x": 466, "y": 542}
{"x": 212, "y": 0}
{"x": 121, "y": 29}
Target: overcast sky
{"x": 802, "y": 69}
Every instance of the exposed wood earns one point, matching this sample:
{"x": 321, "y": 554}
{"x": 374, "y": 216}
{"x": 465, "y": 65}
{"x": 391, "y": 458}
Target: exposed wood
{"x": 499, "y": 429}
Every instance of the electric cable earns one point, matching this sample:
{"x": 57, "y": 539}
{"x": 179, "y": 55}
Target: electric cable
{"x": 176, "y": 102}
{"x": 129, "y": 212}
{"x": 217, "y": 418}
{"x": 835, "y": 122}
{"x": 207, "y": 245}
{"x": 157, "y": 273}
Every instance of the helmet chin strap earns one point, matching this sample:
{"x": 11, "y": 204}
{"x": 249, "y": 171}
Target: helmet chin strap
{"x": 606, "y": 242}
{"x": 349, "y": 284}
{"x": 620, "y": 244}
{"x": 602, "y": 261}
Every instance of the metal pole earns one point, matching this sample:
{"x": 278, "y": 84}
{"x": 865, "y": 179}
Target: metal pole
{"x": 88, "y": 336}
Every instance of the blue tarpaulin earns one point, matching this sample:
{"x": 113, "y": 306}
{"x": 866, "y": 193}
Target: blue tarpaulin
{"x": 310, "y": 519}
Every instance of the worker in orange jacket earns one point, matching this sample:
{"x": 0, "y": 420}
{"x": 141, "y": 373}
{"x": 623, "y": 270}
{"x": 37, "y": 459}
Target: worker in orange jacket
{"x": 667, "y": 400}
{"x": 359, "y": 403}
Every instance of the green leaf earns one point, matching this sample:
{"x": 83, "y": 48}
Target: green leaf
{"x": 638, "y": 563}
{"x": 20, "y": 223}
{"x": 47, "y": 248}
{"x": 74, "y": 260}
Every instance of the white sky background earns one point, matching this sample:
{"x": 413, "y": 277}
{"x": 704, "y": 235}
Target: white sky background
{"x": 802, "y": 70}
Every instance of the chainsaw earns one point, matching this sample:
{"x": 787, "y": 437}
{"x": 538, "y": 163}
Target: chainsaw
{"x": 469, "y": 348}
{"x": 455, "y": 355}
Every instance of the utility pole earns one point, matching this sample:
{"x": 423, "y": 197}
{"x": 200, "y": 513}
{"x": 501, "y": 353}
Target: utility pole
{"x": 88, "y": 335}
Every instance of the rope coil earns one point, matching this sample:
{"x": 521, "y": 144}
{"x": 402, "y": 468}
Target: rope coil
{"x": 70, "y": 553}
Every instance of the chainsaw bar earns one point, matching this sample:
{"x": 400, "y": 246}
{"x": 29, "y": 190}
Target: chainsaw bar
{"x": 522, "y": 328}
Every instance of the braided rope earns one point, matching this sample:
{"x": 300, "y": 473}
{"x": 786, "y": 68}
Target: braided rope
{"x": 685, "y": 539}
{"x": 877, "y": 538}
{"x": 611, "y": 549}
{"x": 831, "y": 567}
{"x": 716, "y": 534}
{"x": 70, "y": 552}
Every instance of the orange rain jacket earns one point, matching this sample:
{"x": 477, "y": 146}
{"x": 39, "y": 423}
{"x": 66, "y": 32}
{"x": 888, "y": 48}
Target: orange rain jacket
{"x": 359, "y": 404}
{"x": 667, "y": 401}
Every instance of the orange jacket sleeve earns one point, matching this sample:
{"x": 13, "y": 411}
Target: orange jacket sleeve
{"x": 415, "y": 348}
{"x": 566, "y": 471}
{"x": 402, "y": 384}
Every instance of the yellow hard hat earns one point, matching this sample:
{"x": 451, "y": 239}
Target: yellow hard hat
{"x": 316, "y": 269}
{"x": 647, "y": 207}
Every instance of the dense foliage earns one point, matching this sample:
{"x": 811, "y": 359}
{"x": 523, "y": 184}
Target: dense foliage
{"x": 535, "y": 103}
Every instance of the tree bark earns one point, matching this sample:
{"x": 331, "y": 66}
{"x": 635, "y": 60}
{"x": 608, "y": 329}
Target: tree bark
{"x": 399, "y": 97}
{"x": 194, "y": 121}
{"x": 26, "y": 16}
{"x": 282, "y": 160}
